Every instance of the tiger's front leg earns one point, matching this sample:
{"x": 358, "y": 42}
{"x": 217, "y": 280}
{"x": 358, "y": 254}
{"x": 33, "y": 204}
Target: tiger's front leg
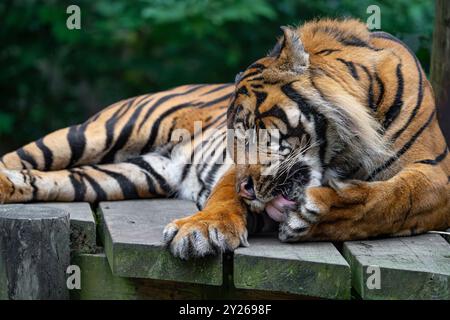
{"x": 414, "y": 201}
{"x": 219, "y": 227}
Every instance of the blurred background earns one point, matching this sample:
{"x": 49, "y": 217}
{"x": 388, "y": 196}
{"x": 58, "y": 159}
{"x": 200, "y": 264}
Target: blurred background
{"x": 52, "y": 77}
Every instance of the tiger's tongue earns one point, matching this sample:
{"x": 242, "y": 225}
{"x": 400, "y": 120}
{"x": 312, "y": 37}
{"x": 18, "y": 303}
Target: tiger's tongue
{"x": 276, "y": 207}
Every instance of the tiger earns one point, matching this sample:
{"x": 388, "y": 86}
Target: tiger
{"x": 360, "y": 153}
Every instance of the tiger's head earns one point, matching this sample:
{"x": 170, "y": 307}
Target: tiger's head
{"x": 315, "y": 112}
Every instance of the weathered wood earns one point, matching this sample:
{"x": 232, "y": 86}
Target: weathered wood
{"x": 98, "y": 282}
{"x": 409, "y": 268}
{"x": 311, "y": 269}
{"x": 132, "y": 237}
{"x": 34, "y": 252}
{"x": 440, "y": 64}
{"x": 82, "y": 225}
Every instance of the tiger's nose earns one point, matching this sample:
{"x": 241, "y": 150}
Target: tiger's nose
{"x": 247, "y": 189}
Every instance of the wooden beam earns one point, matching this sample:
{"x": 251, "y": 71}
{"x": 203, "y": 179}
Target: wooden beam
{"x": 440, "y": 64}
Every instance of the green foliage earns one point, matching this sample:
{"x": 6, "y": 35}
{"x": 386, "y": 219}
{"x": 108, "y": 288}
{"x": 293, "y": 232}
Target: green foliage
{"x": 52, "y": 77}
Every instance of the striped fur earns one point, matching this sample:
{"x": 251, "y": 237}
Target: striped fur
{"x": 361, "y": 152}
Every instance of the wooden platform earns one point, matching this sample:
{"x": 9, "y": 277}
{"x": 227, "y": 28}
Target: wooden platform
{"x": 128, "y": 261}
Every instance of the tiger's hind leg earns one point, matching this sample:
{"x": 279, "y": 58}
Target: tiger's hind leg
{"x": 97, "y": 140}
{"x": 151, "y": 175}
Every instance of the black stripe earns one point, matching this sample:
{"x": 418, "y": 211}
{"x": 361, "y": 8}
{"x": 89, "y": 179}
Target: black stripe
{"x": 344, "y": 39}
{"x": 111, "y": 122}
{"x": 242, "y": 90}
{"x": 320, "y": 122}
{"x": 276, "y": 112}
{"x": 126, "y": 186}
{"x": 416, "y": 108}
{"x": 356, "y": 42}
{"x": 327, "y": 52}
{"x": 370, "y": 98}
{"x": 214, "y": 102}
{"x": 157, "y": 123}
{"x": 223, "y": 86}
{"x": 435, "y": 161}
{"x": 388, "y": 36}
{"x": 34, "y": 196}
{"x": 351, "y": 67}
{"x": 248, "y": 75}
{"x": 405, "y": 148}
{"x": 185, "y": 172}
{"x": 214, "y": 145}
{"x": 144, "y": 165}
{"x": 165, "y": 99}
{"x": 47, "y": 153}
{"x": 256, "y": 65}
{"x": 79, "y": 187}
{"x": 100, "y": 193}
{"x": 217, "y": 119}
{"x": 123, "y": 136}
{"x": 260, "y": 98}
{"x": 25, "y": 156}
{"x": 381, "y": 88}
{"x": 211, "y": 175}
{"x": 77, "y": 143}
{"x": 394, "y": 109}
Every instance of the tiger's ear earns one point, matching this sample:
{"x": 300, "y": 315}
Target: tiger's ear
{"x": 293, "y": 53}
{"x": 290, "y": 56}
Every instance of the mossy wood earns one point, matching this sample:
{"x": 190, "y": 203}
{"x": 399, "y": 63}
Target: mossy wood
{"x": 132, "y": 236}
{"x": 409, "y": 267}
{"x": 312, "y": 269}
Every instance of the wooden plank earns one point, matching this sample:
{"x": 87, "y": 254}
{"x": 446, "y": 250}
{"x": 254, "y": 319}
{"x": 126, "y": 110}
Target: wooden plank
{"x": 311, "y": 269}
{"x": 409, "y": 267}
{"x": 98, "y": 283}
{"x": 132, "y": 236}
{"x": 82, "y": 224}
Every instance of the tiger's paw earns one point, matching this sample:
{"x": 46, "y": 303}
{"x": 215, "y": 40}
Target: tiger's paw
{"x": 323, "y": 204}
{"x": 298, "y": 221}
{"x": 205, "y": 234}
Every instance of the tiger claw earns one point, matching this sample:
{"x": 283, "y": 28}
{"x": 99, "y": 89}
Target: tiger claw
{"x": 188, "y": 238}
